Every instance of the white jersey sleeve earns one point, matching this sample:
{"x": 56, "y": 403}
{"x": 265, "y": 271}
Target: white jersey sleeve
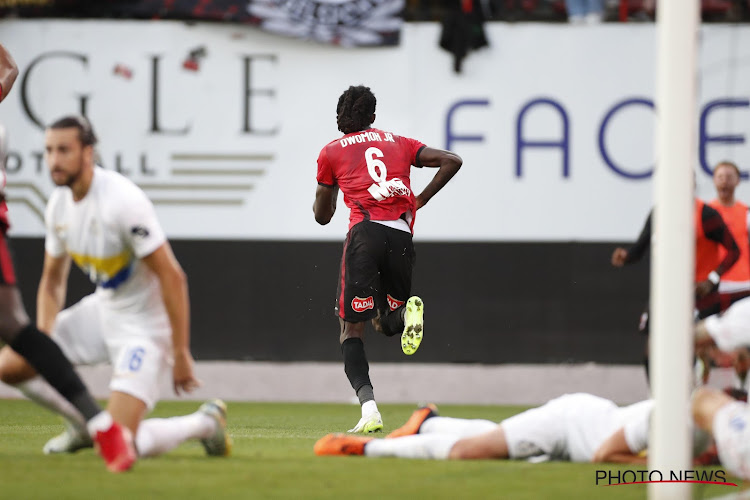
{"x": 139, "y": 226}
{"x": 636, "y": 427}
{"x": 53, "y": 245}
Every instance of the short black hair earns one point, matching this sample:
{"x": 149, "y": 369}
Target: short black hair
{"x": 730, "y": 164}
{"x": 355, "y": 109}
{"x": 85, "y": 131}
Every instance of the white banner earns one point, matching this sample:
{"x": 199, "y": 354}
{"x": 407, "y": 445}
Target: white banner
{"x": 222, "y": 125}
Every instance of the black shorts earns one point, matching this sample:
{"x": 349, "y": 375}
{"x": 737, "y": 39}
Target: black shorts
{"x": 376, "y": 270}
{"x": 7, "y": 274}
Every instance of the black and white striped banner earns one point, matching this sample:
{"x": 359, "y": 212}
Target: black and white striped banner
{"x": 339, "y": 22}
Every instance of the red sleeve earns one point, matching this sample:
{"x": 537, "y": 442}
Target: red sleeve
{"x": 325, "y": 172}
{"x": 414, "y": 146}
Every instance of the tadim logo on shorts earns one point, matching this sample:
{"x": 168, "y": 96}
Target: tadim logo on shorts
{"x": 361, "y": 305}
{"x": 394, "y": 303}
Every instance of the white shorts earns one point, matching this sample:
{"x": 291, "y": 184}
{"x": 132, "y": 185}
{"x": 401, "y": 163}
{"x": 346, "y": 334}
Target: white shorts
{"x": 137, "y": 346}
{"x": 731, "y": 429}
{"x": 538, "y": 431}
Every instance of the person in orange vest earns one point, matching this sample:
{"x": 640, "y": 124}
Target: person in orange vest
{"x": 735, "y": 283}
{"x": 716, "y": 251}
{"x": 711, "y": 235}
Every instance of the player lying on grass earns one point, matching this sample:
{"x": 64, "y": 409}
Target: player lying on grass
{"x": 727, "y": 419}
{"x": 576, "y": 427}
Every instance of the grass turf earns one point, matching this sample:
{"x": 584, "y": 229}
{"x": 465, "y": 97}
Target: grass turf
{"x": 273, "y": 458}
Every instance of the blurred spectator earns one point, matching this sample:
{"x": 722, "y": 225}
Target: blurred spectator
{"x": 636, "y": 10}
{"x": 585, "y": 11}
{"x": 463, "y": 30}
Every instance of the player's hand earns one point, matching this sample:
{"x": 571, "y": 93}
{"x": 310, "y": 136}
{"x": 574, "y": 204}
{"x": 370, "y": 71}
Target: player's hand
{"x": 182, "y": 373}
{"x": 705, "y": 287}
{"x": 420, "y": 202}
{"x": 619, "y": 256}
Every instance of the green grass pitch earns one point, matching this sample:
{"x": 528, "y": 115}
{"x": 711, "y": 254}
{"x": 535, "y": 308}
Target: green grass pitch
{"x": 273, "y": 459}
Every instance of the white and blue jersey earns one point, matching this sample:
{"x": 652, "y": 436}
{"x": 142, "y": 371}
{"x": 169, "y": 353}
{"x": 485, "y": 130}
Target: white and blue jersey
{"x": 124, "y": 322}
{"x": 107, "y": 233}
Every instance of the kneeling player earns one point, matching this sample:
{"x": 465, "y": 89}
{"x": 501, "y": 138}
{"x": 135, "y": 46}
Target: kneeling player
{"x": 138, "y": 317}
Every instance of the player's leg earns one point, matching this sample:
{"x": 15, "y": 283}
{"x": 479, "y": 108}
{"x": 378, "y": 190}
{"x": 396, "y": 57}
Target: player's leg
{"x": 357, "y": 370}
{"x": 490, "y": 444}
{"x": 138, "y": 366}
{"x": 426, "y": 420}
{"x": 38, "y": 349}
{"x": 159, "y": 435}
{"x": 115, "y": 445}
{"x": 644, "y": 325}
{"x": 358, "y": 281}
{"x": 457, "y": 426}
{"x": 77, "y": 331}
{"x": 405, "y": 313}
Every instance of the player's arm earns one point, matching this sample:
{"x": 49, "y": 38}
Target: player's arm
{"x": 174, "y": 290}
{"x": 8, "y": 72}
{"x": 716, "y": 230}
{"x": 615, "y": 450}
{"x": 447, "y": 163}
{"x": 719, "y": 232}
{"x": 53, "y": 286}
{"x": 325, "y": 203}
{"x": 620, "y": 257}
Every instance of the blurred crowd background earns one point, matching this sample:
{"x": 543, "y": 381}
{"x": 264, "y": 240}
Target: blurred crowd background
{"x": 560, "y": 11}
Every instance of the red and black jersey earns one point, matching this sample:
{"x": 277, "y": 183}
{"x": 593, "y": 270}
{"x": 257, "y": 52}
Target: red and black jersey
{"x": 372, "y": 169}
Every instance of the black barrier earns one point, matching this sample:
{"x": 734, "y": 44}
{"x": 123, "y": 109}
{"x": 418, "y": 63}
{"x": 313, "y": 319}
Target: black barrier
{"x": 484, "y": 302}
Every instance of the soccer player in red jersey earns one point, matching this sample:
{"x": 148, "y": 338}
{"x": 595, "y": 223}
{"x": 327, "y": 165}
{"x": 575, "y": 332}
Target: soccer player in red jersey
{"x": 372, "y": 168}
{"x": 114, "y": 443}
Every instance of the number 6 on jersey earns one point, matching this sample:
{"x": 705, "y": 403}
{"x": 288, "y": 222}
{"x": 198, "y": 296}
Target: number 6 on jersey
{"x": 377, "y": 170}
{"x": 382, "y": 189}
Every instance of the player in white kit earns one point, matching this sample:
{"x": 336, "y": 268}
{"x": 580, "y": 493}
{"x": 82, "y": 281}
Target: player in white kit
{"x": 138, "y": 317}
{"x": 114, "y": 443}
{"x": 574, "y": 427}
{"x": 727, "y": 419}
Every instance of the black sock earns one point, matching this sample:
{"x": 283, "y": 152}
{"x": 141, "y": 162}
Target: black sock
{"x": 46, "y": 357}
{"x": 355, "y": 363}
{"x": 365, "y": 394}
{"x": 393, "y": 322}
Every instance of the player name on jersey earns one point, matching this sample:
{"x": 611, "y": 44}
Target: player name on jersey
{"x": 365, "y": 136}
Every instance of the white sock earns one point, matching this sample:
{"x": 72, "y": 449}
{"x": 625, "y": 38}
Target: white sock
{"x": 42, "y": 393}
{"x": 426, "y": 446}
{"x": 460, "y": 427}
{"x": 369, "y": 407}
{"x": 159, "y": 435}
{"x": 102, "y": 421}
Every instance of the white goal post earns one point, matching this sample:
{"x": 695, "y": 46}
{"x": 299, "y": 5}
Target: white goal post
{"x": 673, "y": 244}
